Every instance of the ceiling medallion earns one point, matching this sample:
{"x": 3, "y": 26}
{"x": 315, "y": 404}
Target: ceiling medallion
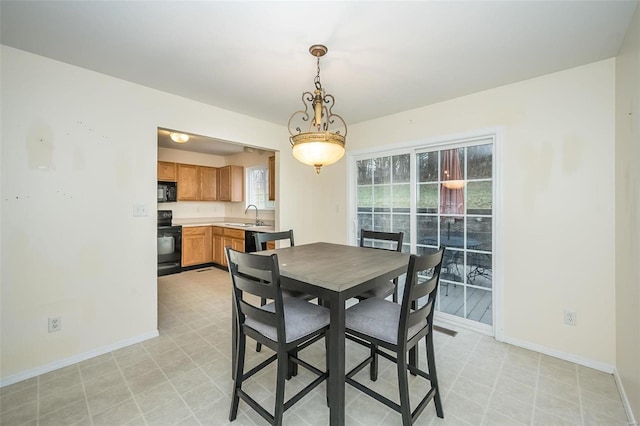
{"x": 323, "y": 142}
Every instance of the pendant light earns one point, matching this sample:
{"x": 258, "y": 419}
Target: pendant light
{"x": 324, "y": 139}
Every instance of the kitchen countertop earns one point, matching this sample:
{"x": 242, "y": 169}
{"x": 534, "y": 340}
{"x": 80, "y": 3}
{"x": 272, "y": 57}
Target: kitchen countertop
{"x": 234, "y": 223}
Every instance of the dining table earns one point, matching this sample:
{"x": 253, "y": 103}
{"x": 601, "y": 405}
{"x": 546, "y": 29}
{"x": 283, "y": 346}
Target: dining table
{"x": 335, "y": 273}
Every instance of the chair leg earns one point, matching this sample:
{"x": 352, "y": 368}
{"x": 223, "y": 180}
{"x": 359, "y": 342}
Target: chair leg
{"x": 431, "y": 362}
{"x": 237, "y": 378}
{"x": 326, "y": 351}
{"x": 403, "y": 387}
{"x": 283, "y": 368}
{"x": 373, "y": 372}
{"x": 292, "y": 370}
{"x": 263, "y": 302}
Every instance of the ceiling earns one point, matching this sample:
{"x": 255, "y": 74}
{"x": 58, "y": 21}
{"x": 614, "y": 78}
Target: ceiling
{"x": 384, "y": 57}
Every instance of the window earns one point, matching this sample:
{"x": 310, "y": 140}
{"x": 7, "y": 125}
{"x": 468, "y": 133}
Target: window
{"x": 257, "y": 190}
{"x": 437, "y": 195}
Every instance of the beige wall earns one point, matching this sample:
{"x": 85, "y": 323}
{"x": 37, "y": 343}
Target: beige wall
{"x": 627, "y": 205}
{"x": 557, "y": 200}
{"x": 79, "y": 149}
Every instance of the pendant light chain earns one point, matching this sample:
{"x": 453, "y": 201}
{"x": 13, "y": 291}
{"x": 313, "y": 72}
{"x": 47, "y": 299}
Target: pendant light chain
{"x": 317, "y": 79}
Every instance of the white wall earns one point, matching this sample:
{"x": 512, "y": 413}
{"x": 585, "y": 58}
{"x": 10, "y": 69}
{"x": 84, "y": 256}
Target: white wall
{"x": 558, "y": 199}
{"x": 627, "y": 206}
{"x": 78, "y": 150}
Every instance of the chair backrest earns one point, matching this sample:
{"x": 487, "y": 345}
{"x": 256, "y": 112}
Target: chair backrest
{"x": 261, "y": 238}
{"x": 397, "y": 237}
{"x": 259, "y": 276}
{"x": 423, "y": 277}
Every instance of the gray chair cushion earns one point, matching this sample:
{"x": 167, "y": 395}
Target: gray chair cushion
{"x": 378, "y": 318}
{"x": 300, "y": 317}
{"x": 382, "y": 291}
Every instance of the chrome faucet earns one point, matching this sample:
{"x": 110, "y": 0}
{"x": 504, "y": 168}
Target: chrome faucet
{"x": 258, "y": 222}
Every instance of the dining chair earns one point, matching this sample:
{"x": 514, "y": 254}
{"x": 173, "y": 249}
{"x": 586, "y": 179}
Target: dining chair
{"x": 384, "y": 241}
{"x": 378, "y": 323}
{"x": 286, "y": 325}
{"x": 261, "y": 239}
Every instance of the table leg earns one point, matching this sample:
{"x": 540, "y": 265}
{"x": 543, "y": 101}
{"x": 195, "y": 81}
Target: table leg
{"x": 336, "y": 360}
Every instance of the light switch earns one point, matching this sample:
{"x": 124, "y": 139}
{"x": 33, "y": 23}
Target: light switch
{"x": 140, "y": 210}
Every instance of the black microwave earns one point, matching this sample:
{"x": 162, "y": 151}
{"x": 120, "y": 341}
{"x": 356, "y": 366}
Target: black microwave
{"x": 167, "y": 192}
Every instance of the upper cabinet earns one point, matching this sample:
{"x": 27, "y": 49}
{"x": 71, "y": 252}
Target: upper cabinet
{"x": 272, "y": 178}
{"x": 188, "y": 182}
{"x": 231, "y": 183}
{"x": 166, "y": 171}
{"x": 202, "y": 183}
{"x": 208, "y": 183}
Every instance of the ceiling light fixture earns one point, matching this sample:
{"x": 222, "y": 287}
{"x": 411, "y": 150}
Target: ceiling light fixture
{"x": 323, "y": 143}
{"x": 179, "y": 137}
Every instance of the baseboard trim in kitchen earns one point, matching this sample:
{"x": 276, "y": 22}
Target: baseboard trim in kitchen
{"x": 15, "y": 378}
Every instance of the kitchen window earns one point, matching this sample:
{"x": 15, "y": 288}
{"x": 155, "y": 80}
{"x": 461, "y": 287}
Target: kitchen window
{"x": 257, "y": 190}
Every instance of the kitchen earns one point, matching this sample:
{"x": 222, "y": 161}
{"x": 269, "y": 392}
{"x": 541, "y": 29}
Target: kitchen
{"x": 211, "y": 194}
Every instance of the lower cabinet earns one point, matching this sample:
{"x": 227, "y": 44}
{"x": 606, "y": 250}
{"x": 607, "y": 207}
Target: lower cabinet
{"x": 226, "y": 237}
{"x": 219, "y": 256}
{"x": 196, "y": 245}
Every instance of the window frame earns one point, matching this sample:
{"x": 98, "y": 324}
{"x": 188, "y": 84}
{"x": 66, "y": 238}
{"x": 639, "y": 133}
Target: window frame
{"x": 269, "y": 205}
{"x": 495, "y": 135}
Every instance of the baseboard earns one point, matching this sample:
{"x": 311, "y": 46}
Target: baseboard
{"x": 5, "y": 381}
{"x": 596, "y": 365}
{"x": 625, "y": 400}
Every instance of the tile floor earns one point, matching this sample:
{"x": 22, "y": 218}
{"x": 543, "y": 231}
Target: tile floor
{"x": 183, "y": 378}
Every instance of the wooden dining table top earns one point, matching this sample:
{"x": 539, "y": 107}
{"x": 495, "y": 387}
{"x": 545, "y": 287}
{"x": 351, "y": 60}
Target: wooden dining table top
{"x": 337, "y": 267}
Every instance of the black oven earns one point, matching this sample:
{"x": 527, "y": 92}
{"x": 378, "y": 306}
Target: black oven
{"x": 169, "y": 244}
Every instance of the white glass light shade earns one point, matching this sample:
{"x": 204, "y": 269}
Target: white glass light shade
{"x": 179, "y": 137}
{"x": 318, "y": 153}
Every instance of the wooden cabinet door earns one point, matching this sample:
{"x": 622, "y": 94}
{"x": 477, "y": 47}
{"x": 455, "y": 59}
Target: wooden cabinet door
{"x": 237, "y": 244}
{"x": 188, "y": 182}
{"x": 231, "y": 183}
{"x": 208, "y": 183}
{"x": 272, "y": 178}
{"x": 219, "y": 255}
{"x": 196, "y": 245}
{"x": 166, "y": 171}
{"x": 224, "y": 183}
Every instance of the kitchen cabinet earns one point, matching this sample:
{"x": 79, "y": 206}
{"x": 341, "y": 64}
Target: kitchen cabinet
{"x": 231, "y": 183}
{"x": 219, "y": 256}
{"x": 226, "y": 237}
{"x": 166, "y": 171}
{"x": 188, "y": 182}
{"x": 196, "y": 245}
{"x": 272, "y": 178}
{"x": 208, "y": 183}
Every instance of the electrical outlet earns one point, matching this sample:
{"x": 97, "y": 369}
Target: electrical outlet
{"x": 55, "y": 324}
{"x": 570, "y": 318}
